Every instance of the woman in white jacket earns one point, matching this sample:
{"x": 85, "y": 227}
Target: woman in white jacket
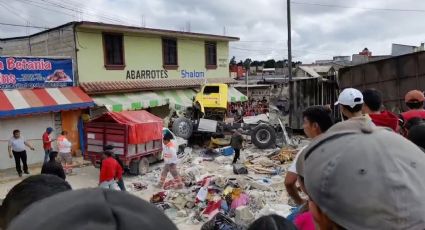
{"x": 64, "y": 147}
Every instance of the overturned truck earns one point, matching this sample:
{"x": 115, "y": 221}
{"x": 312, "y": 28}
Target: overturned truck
{"x": 207, "y": 117}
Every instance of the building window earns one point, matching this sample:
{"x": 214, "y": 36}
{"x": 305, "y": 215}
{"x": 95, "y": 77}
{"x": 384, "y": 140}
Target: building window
{"x": 113, "y": 49}
{"x": 169, "y": 53}
{"x": 211, "y": 55}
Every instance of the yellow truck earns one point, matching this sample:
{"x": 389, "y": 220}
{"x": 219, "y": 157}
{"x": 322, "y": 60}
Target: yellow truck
{"x": 212, "y": 101}
{"x": 207, "y": 116}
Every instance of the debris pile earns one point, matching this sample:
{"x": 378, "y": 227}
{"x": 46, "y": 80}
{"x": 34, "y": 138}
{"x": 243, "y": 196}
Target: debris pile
{"x": 220, "y": 194}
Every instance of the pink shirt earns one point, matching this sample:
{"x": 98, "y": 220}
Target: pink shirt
{"x": 304, "y": 221}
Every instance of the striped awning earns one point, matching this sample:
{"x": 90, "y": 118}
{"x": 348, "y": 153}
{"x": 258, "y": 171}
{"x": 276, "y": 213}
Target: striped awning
{"x": 176, "y": 99}
{"x": 29, "y": 101}
{"x": 235, "y": 96}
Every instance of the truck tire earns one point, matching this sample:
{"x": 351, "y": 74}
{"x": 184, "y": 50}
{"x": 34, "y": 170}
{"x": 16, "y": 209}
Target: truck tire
{"x": 143, "y": 166}
{"x": 263, "y": 136}
{"x": 134, "y": 167}
{"x": 183, "y": 127}
{"x": 139, "y": 167}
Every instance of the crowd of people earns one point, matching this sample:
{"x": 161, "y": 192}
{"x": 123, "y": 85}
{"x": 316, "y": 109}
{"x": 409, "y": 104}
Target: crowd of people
{"x": 17, "y": 149}
{"x": 364, "y": 172}
{"x": 252, "y": 107}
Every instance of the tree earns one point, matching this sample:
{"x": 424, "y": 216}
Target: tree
{"x": 233, "y": 61}
{"x": 247, "y": 63}
{"x": 280, "y": 64}
{"x": 270, "y": 64}
{"x": 255, "y": 63}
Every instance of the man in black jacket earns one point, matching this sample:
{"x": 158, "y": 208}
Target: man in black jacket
{"x": 53, "y": 167}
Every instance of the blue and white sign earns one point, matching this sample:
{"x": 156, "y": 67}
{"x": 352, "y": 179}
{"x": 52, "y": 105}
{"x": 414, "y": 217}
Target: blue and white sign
{"x": 31, "y": 72}
{"x": 192, "y": 74}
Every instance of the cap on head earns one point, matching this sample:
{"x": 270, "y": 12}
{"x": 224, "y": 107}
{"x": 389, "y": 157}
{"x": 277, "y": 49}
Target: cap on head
{"x": 350, "y": 97}
{"x": 167, "y": 136}
{"x": 49, "y": 130}
{"x": 92, "y": 209}
{"x": 414, "y": 96}
{"x": 367, "y": 179}
{"x": 108, "y": 147}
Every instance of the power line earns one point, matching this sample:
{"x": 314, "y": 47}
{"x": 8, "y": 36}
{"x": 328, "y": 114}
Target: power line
{"x": 45, "y": 8}
{"x": 355, "y": 7}
{"x": 264, "y": 41}
{"x": 11, "y": 11}
{"x": 27, "y": 26}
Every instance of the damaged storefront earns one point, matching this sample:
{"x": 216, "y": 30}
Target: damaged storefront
{"x": 36, "y": 96}
{"x": 162, "y": 99}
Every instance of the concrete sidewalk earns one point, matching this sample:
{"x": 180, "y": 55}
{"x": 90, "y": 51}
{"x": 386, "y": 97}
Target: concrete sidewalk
{"x": 9, "y": 175}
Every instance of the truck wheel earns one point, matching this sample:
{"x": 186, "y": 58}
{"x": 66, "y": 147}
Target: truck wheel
{"x": 143, "y": 166}
{"x": 183, "y": 127}
{"x": 139, "y": 167}
{"x": 134, "y": 167}
{"x": 263, "y": 136}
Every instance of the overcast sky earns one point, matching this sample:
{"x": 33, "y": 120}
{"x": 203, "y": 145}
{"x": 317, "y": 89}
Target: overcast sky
{"x": 318, "y": 31}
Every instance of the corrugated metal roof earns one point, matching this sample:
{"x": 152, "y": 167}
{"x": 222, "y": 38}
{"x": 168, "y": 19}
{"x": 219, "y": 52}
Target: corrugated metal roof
{"x": 309, "y": 70}
{"x": 322, "y": 68}
{"x": 145, "y": 85}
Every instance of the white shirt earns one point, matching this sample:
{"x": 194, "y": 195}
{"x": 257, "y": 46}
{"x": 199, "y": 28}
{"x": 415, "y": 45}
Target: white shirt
{"x": 18, "y": 145}
{"x": 170, "y": 153}
{"x": 293, "y": 167}
{"x": 64, "y": 146}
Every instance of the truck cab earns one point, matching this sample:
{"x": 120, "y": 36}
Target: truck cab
{"x": 212, "y": 101}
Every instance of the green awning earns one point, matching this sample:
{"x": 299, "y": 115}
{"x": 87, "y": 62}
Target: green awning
{"x": 130, "y": 101}
{"x": 178, "y": 99}
{"x": 235, "y": 96}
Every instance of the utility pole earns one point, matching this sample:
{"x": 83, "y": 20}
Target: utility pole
{"x": 288, "y": 13}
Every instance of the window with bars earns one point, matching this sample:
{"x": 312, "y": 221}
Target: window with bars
{"x": 113, "y": 51}
{"x": 211, "y": 55}
{"x": 169, "y": 53}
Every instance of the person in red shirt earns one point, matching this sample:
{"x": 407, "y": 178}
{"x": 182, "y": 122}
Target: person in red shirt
{"x": 372, "y": 106}
{"x": 415, "y": 102}
{"x": 110, "y": 172}
{"x": 47, "y": 143}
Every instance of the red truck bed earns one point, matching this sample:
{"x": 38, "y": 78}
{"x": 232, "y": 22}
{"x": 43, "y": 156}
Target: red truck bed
{"x": 134, "y": 135}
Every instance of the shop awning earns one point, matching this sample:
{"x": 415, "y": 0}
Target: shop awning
{"x": 17, "y": 102}
{"x": 129, "y": 101}
{"x": 235, "y": 96}
{"x": 177, "y": 99}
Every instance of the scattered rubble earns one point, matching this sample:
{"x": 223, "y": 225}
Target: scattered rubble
{"x": 218, "y": 193}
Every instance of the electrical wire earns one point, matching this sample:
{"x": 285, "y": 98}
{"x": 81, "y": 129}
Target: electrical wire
{"x": 355, "y": 7}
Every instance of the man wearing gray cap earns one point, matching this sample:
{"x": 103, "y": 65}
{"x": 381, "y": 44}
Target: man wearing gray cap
{"x": 365, "y": 178}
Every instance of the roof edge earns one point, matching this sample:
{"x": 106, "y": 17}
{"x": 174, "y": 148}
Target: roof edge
{"x": 148, "y": 30}
{"x": 93, "y": 25}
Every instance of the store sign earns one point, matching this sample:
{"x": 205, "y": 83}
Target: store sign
{"x": 22, "y": 72}
{"x": 192, "y": 74}
{"x": 146, "y": 74}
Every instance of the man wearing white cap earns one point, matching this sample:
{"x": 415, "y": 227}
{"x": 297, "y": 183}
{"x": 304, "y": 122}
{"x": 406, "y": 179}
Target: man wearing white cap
{"x": 351, "y": 102}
